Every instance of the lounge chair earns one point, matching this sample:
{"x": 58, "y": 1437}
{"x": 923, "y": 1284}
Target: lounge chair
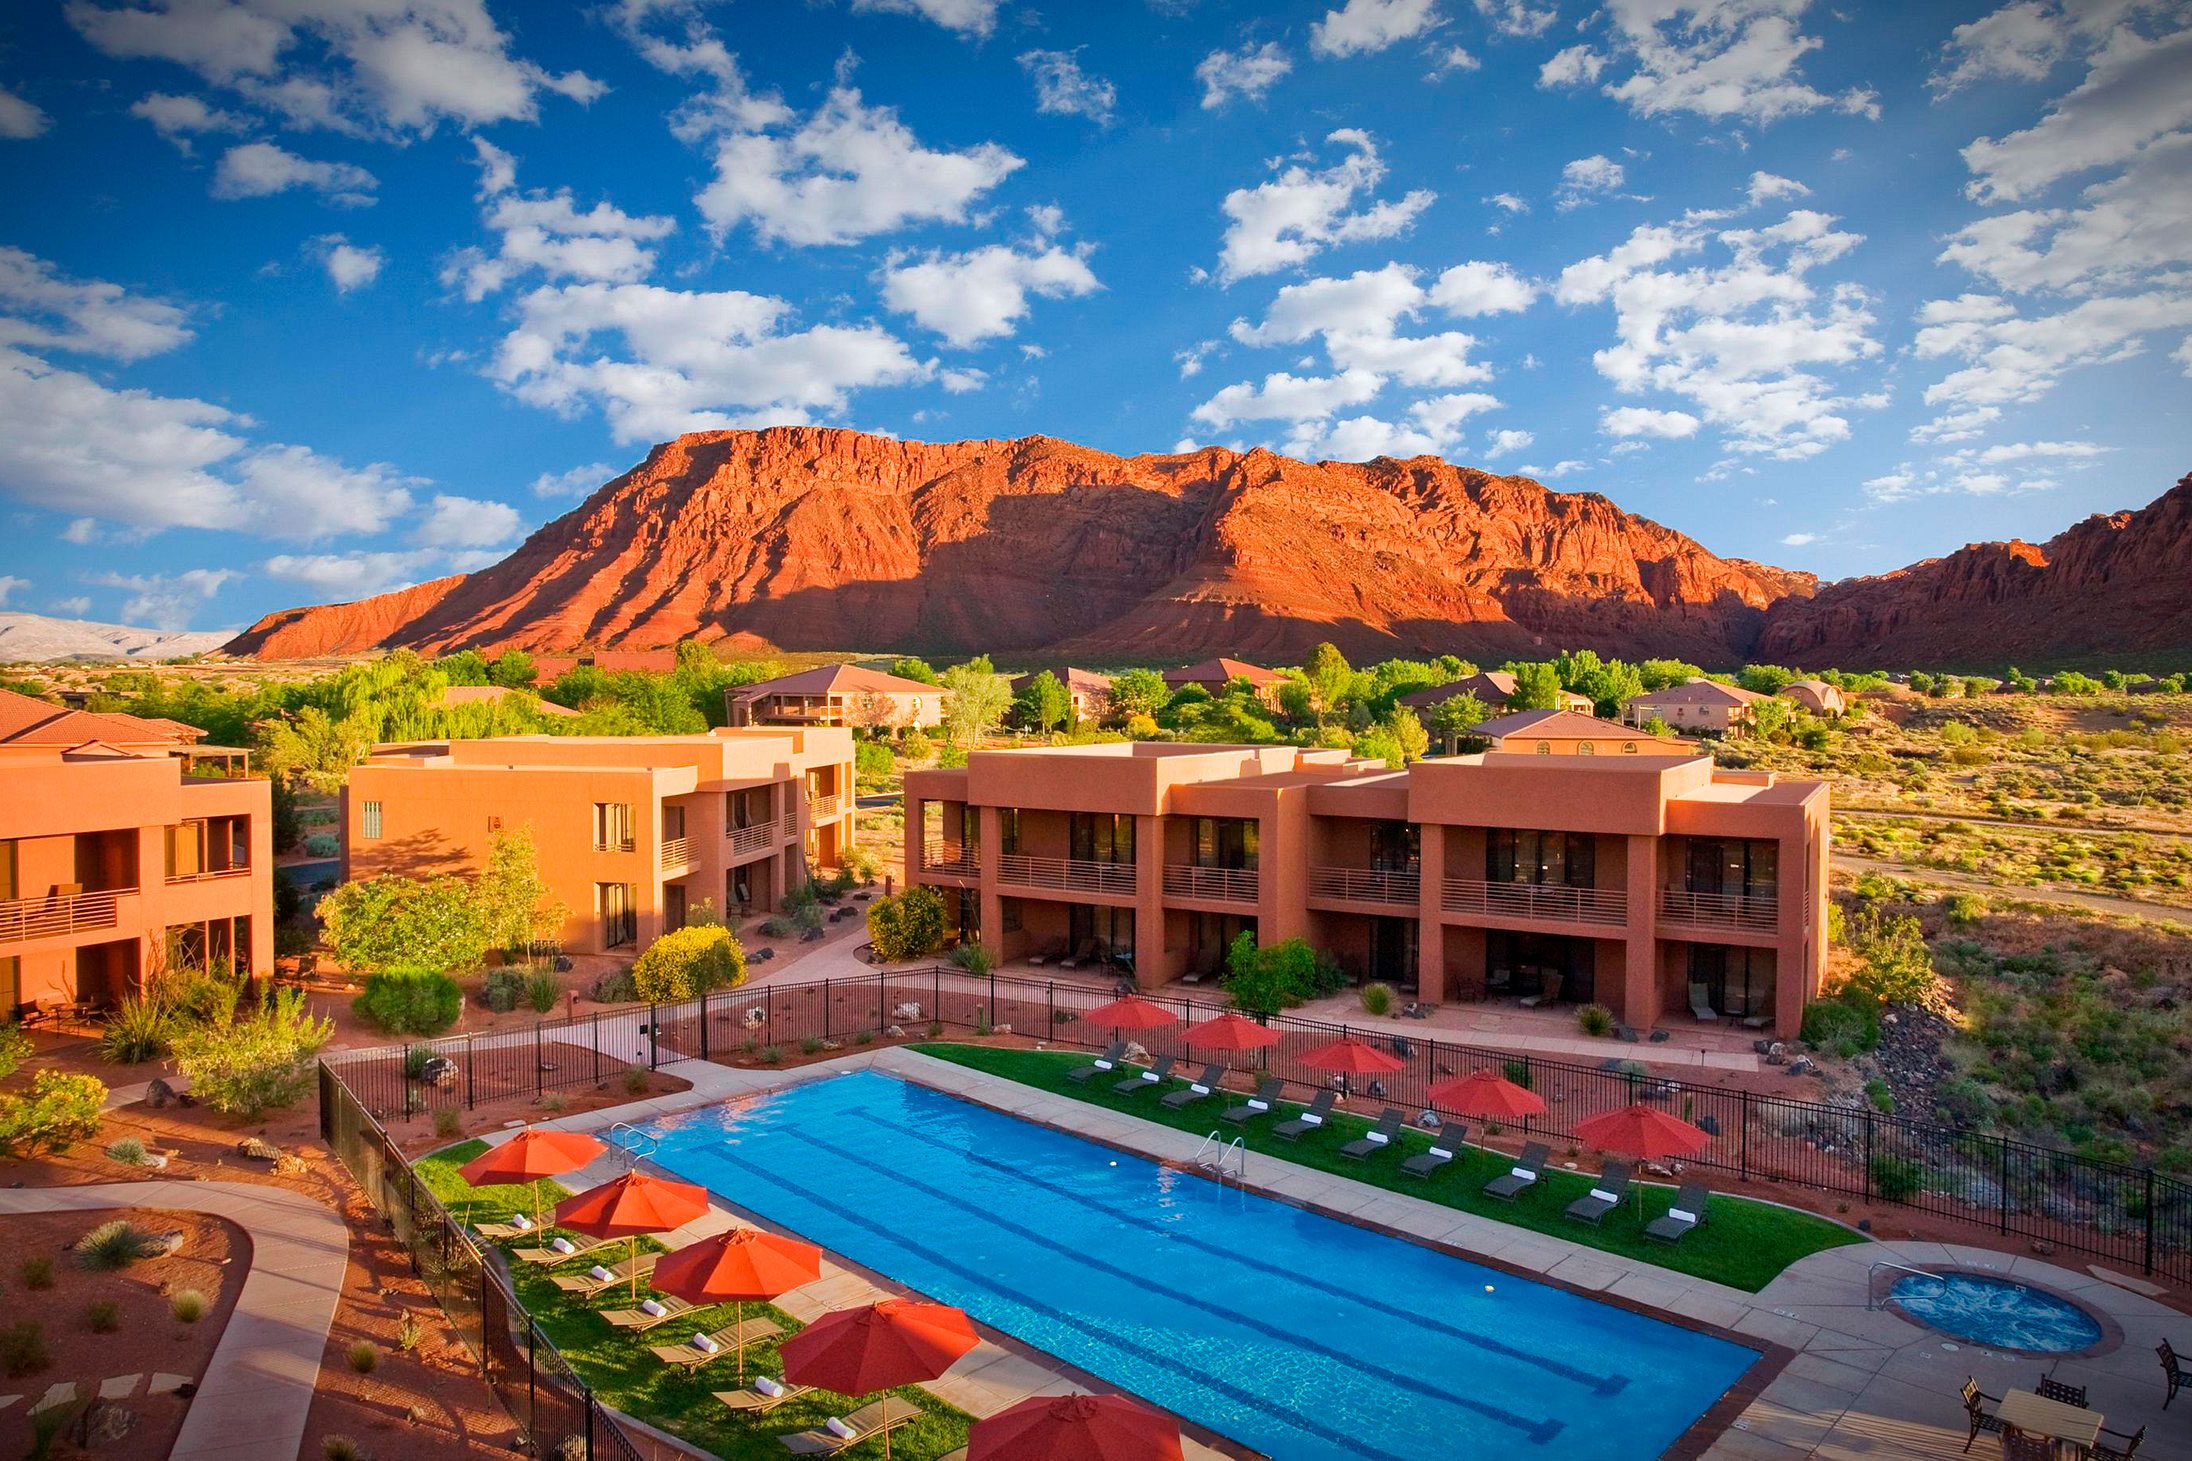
{"x": 1445, "y": 1146}
{"x": 690, "y": 1354}
{"x": 1548, "y": 993}
{"x": 597, "y": 1278}
{"x": 864, "y": 1424}
{"x": 1687, "y": 1212}
{"x": 1976, "y": 1413}
{"x": 1050, "y": 951}
{"x": 639, "y": 1320}
{"x": 1201, "y": 1088}
{"x": 1156, "y": 1075}
{"x": 1605, "y": 1195}
{"x": 504, "y": 1232}
{"x": 550, "y": 1256}
{"x": 1084, "y": 951}
{"x": 1100, "y": 1064}
{"x": 1377, "y": 1138}
{"x": 1701, "y": 1005}
{"x": 1259, "y": 1104}
{"x": 753, "y": 1400}
{"x": 1519, "y": 1178}
{"x": 1310, "y": 1119}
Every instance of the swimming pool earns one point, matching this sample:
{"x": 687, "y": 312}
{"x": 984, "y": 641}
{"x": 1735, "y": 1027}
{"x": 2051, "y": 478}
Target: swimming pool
{"x": 1283, "y": 1329}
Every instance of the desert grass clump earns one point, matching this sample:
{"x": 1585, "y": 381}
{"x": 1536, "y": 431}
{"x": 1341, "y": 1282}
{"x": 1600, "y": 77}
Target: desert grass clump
{"x": 104, "y": 1316}
{"x": 635, "y": 1081}
{"x": 23, "y": 1349}
{"x": 344, "y": 1448}
{"x": 187, "y": 1305}
{"x": 37, "y": 1273}
{"x": 409, "y": 1333}
{"x": 363, "y": 1357}
{"x": 128, "y": 1150}
{"x": 113, "y": 1245}
{"x": 448, "y": 1122}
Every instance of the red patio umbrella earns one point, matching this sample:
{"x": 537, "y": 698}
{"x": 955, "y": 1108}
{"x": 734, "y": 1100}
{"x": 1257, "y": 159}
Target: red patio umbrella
{"x": 1351, "y": 1057}
{"x": 532, "y": 1154}
{"x": 1641, "y": 1131}
{"x": 626, "y": 1206}
{"x": 1075, "y": 1428}
{"x": 1132, "y": 1013}
{"x": 1230, "y": 1031}
{"x": 737, "y": 1265}
{"x": 1488, "y": 1096}
{"x": 861, "y": 1351}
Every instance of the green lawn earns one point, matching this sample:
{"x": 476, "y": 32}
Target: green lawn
{"x": 1743, "y": 1244}
{"x": 626, "y": 1376}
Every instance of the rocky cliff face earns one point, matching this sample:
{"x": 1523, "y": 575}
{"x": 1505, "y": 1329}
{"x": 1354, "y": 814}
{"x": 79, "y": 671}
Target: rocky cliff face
{"x": 823, "y": 539}
{"x": 2112, "y": 587}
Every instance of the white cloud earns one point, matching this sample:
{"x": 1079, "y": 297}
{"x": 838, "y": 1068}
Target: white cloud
{"x": 2019, "y": 42}
{"x": 971, "y": 297}
{"x": 9, "y": 583}
{"x": 1640, "y": 421}
{"x": 40, "y": 309}
{"x": 382, "y": 66}
{"x": 1247, "y": 73}
{"x": 466, "y": 522}
{"x": 1286, "y": 397}
{"x": 546, "y": 232}
{"x": 1766, "y": 186}
{"x": 1363, "y": 26}
{"x": 1733, "y": 60}
{"x": 293, "y": 492}
{"x": 19, "y": 119}
{"x": 162, "y": 600}
{"x": 2134, "y": 91}
{"x": 2025, "y": 451}
{"x": 1064, "y": 89}
{"x": 354, "y": 575}
{"x": 261, "y": 169}
{"x": 349, "y": 266}
{"x": 577, "y": 482}
{"x": 1452, "y": 59}
{"x": 1556, "y": 471}
{"x": 1587, "y": 179}
{"x": 1575, "y": 66}
{"x": 1799, "y": 540}
{"x": 2015, "y": 358}
{"x": 1358, "y": 318}
{"x": 75, "y": 606}
{"x": 2134, "y": 224}
{"x": 1303, "y": 211}
{"x": 1482, "y": 288}
{"x": 1508, "y": 203}
{"x": 180, "y": 118}
{"x": 1518, "y": 17}
{"x": 1503, "y": 442}
{"x": 968, "y": 17}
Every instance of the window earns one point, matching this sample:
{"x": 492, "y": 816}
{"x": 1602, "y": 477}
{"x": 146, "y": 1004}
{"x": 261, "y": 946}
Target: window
{"x": 1628, "y": 748}
{"x": 1009, "y": 914}
{"x": 613, "y": 827}
{"x": 1736, "y": 868}
{"x": 1562, "y": 859}
{"x": 1008, "y": 830}
{"x": 1100, "y": 837}
{"x": 1736, "y": 982}
{"x": 1225, "y": 842}
{"x": 673, "y": 823}
{"x": 1545, "y": 748}
{"x": 619, "y": 920}
{"x": 1396, "y": 847}
{"x": 369, "y": 821}
{"x": 1585, "y": 748}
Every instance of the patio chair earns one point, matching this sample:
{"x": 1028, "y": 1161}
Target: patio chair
{"x": 1548, "y": 993}
{"x": 1201, "y": 1088}
{"x": 2020, "y": 1445}
{"x": 1519, "y": 1178}
{"x": 1377, "y": 1138}
{"x": 1310, "y": 1119}
{"x": 691, "y": 1354}
{"x": 1154, "y": 1076}
{"x": 597, "y": 1278}
{"x": 1445, "y": 1146}
{"x": 2173, "y": 1371}
{"x": 1084, "y": 951}
{"x": 1259, "y": 1104}
{"x": 504, "y": 1232}
{"x": 1605, "y": 1195}
{"x": 1701, "y": 1004}
{"x": 753, "y": 1400}
{"x": 2108, "y": 1449}
{"x": 2050, "y": 1388}
{"x": 1050, "y": 951}
{"x": 1110, "y": 1058}
{"x": 1687, "y": 1212}
{"x": 640, "y": 1320}
{"x": 548, "y": 1256}
{"x": 1975, "y": 1411}
{"x": 866, "y": 1423}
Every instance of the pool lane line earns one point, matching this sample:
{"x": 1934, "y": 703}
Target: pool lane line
{"x": 1353, "y": 1445}
{"x": 1539, "y": 1431}
{"x": 1611, "y": 1384}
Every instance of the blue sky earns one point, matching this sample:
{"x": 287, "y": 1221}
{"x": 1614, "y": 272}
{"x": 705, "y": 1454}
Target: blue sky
{"x": 305, "y": 299}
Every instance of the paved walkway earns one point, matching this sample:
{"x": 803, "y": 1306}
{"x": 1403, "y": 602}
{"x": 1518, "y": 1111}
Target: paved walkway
{"x": 255, "y": 1396}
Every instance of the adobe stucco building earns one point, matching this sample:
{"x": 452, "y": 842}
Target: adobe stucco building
{"x": 631, "y": 831}
{"x": 1655, "y": 884}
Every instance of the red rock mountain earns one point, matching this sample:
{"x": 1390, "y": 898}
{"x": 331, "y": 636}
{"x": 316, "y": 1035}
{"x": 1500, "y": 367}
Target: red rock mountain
{"x": 805, "y": 538}
{"x": 2116, "y": 587}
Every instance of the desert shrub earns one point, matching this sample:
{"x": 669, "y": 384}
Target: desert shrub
{"x": 542, "y": 990}
{"x": 409, "y": 1002}
{"x": 808, "y": 917}
{"x": 363, "y": 1357}
{"x": 635, "y": 1080}
{"x": 1898, "y": 968}
{"x": 974, "y": 959}
{"x": 776, "y": 925}
{"x": 936, "y": 1029}
{"x": 907, "y": 925}
{"x": 187, "y": 1305}
{"x": 323, "y": 844}
{"x": 58, "y": 1109}
{"x": 1595, "y": 1020}
{"x": 343, "y": 1448}
{"x": 129, "y": 1151}
{"x": 257, "y": 1062}
{"x": 409, "y": 1333}
{"x": 137, "y": 1031}
{"x": 1518, "y": 1071}
{"x": 554, "y": 1102}
{"x": 1962, "y": 1101}
{"x": 103, "y": 1316}
{"x": 195, "y": 996}
{"x": 448, "y": 1122}
{"x": 861, "y": 865}
{"x": 812, "y": 1045}
{"x": 1842, "y": 1026}
{"x": 37, "y": 1272}
{"x": 1881, "y": 1095}
{"x": 23, "y": 1349}
{"x": 689, "y": 961}
{"x": 414, "y": 1061}
{"x": 1896, "y": 1178}
{"x": 1377, "y": 998}
{"x": 1963, "y": 909}
{"x": 771, "y": 1054}
{"x": 15, "y": 1047}
{"x": 113, "y": 1245}
{"x": 1277, "y": 976}
{"x": 406, "y": 923}
{"x": 615, "y": 987}
{"x": 502, "y": 989}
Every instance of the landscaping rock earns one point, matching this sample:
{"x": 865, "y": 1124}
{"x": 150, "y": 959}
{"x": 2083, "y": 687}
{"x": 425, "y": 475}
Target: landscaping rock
{"x": 1803, "y": 1065}
{"x": 258, "y": 1149}
{"x": 1136, "y": 1053}
{"x": 439, "y": 1071}
{"x": 160, "y": 1095}
{"x": 907, "y": 1011}
{"x": 896, "y": 1032}
{"x": 1625, "y": 1035}
{"x": 1659, "y": 1037}
{"x": 105, "y": 1423}
{"x": 162, "y": 1245}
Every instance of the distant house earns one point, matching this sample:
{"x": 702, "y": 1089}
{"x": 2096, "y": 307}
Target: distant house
{"x": 839, "y": 694}
{"x": 1089, "y": 692}
{"x": 1496, "y": 688}
{"x": 1214, "y": 675}
{"x": 25, "y": 720}
{"x": 1816, "y": 696}
{"x": 1566, "y": 733}
{"x": 1702, "y": 706}
{"x": 457, "y": 695}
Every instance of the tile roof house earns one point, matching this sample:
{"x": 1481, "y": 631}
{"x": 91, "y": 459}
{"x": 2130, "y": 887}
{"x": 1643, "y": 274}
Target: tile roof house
{"x": 840, "y": 694}
{"x": 1566, "y": 733}
{"x": 1699, "y": 706}
{"x": 1214, "y": 675}
{"x": 1496, "y": 688}
{"x": 1089, "y": 692}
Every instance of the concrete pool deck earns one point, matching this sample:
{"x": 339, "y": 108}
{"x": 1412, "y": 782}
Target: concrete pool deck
{"x": 1859, "y": 1382}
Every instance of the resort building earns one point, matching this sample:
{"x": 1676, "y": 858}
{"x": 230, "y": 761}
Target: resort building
{"x": 26, "y": 720}
{"x": 1566, "y": 733}
{"x": 1816, "y": 696}
{"x": 116, "y": 863}
{"x": 840, "y": 695}
{"x": 631, "y": 831}
{"x": 1495, "y": 688}
{"x": 1088, "y": 692}
{"x": 1654, "y": 883}
{"x": 1704, "y": 707}
{"x": 1214, "y": 675}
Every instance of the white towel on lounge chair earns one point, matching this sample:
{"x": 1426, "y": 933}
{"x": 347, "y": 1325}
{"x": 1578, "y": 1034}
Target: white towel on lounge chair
{"x": 838, "y": 1428}
{"x": 1311, "y": 1118}
{"x": 1681, "y": 1215}
{"x": 1198, "y": 1088}
{"x": 1603, "y": 1195}
{"x": 1523, "y": 1172}
{"x": 1442, "y": 1153}
{"x": 1102, "y": 1064}
{"x": 597, "y": 1271}
{"x": 561, "y": 1245}
{"x": 1256, "y": 1105}
{"x": 651, "y": 1309}
{"x": 521, "y": 1222}
{"x": 764, "y": 1385}
{"x": 704, "y": 1344}
{"x": 1149, "y": 1075}
{"x": 1377, "y": 1136}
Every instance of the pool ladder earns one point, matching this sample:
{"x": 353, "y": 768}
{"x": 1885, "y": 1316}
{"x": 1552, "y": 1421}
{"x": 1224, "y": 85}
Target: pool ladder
{"x": 638, "y": 1143}
{"x": 1880, "y": 1300}
{"x": 1213, "y": 1156}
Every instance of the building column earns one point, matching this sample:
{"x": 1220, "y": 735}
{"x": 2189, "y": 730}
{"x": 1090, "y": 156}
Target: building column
{"x": 916, "y": 820}
{"x": 992, "y": 913}
{"x": 1640, "y": 981}
{"x": 1154, "y": 963}
{"x": 1430, "y": 927}
{"x": 1282, "y": 879}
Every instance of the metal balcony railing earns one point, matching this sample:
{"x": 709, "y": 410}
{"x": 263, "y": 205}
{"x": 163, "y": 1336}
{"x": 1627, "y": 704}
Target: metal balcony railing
{"x": 208, "y": 875}
{"x": 1072, "y": 874}
{"x": 948, "y": 858}
{"x": 677, "y": 852}
{"x": 1214, "y": 884}
{"x": 615, "y": 844}
{"x": 825, "y": 808}
{"x": 756, "y": 838}
{"x": 1759, "y": 912}
{"x": 1365, "y": 885}
{"x": 23, "y": 919}
{"x": 1555, "y": 902}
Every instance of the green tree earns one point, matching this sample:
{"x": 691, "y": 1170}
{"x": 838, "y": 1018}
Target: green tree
{"x": 907, "y": 925}
{"x": 1765, "y": 679}
{"x": 1043, "y": 704}
{"x": 1610, "y": 686}
{"x": 315, "y": 748}
{"x": 1329, "y": 677}
{"x": 1537, "y": 687}
{"x": 1898, "y": 966}
{"x": 1457, "y": 716}
{"x": 1137, "y": 692}
{"x": 409, "y": 1001}
{"x": 258, "y": 1062}
{"x": 515, "y": 903}
{"x": 513, "y": 669}
{"x": 396, "y": 922}
{"x": 910, "y": 668}
{"x": 1658, "y": 674}
{"x": 465, "y": 667}
{"x": 689, "y": 961}
{"x": 975, "y": 700}
{"x": 1575, "y": 666}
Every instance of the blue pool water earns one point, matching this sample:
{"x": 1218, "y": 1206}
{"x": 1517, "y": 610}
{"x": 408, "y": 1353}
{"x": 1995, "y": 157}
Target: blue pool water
{"x": 1997, "y": 1312}
{"x": 1290, "y": 1332}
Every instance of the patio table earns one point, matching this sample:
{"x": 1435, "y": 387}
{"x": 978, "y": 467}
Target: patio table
{"x": 2039, "y": 1416}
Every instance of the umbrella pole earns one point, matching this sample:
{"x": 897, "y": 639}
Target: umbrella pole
{"x": 738, "y": 1318}
{"x": 632, "y": 1261}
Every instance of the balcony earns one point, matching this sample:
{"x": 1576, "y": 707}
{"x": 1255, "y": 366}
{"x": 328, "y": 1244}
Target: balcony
{"x": 615, "y": 844}
{"x": 788, "y": 822}
{"x": 1365, "y": 885}
{"x": 825, "y": 808}
{"x": 759, "y": 837}
{"x": 24, "y": 919}
{"x": 1069, "y": 874}
{"x": 1212, "y": 884}
{"x": 1757, "y": 913}
{"x": 206, "y": 875}
{"x": 1552, "y": 902}
{"x": 677, "y": 854}
{"x": 948, "y": 859}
